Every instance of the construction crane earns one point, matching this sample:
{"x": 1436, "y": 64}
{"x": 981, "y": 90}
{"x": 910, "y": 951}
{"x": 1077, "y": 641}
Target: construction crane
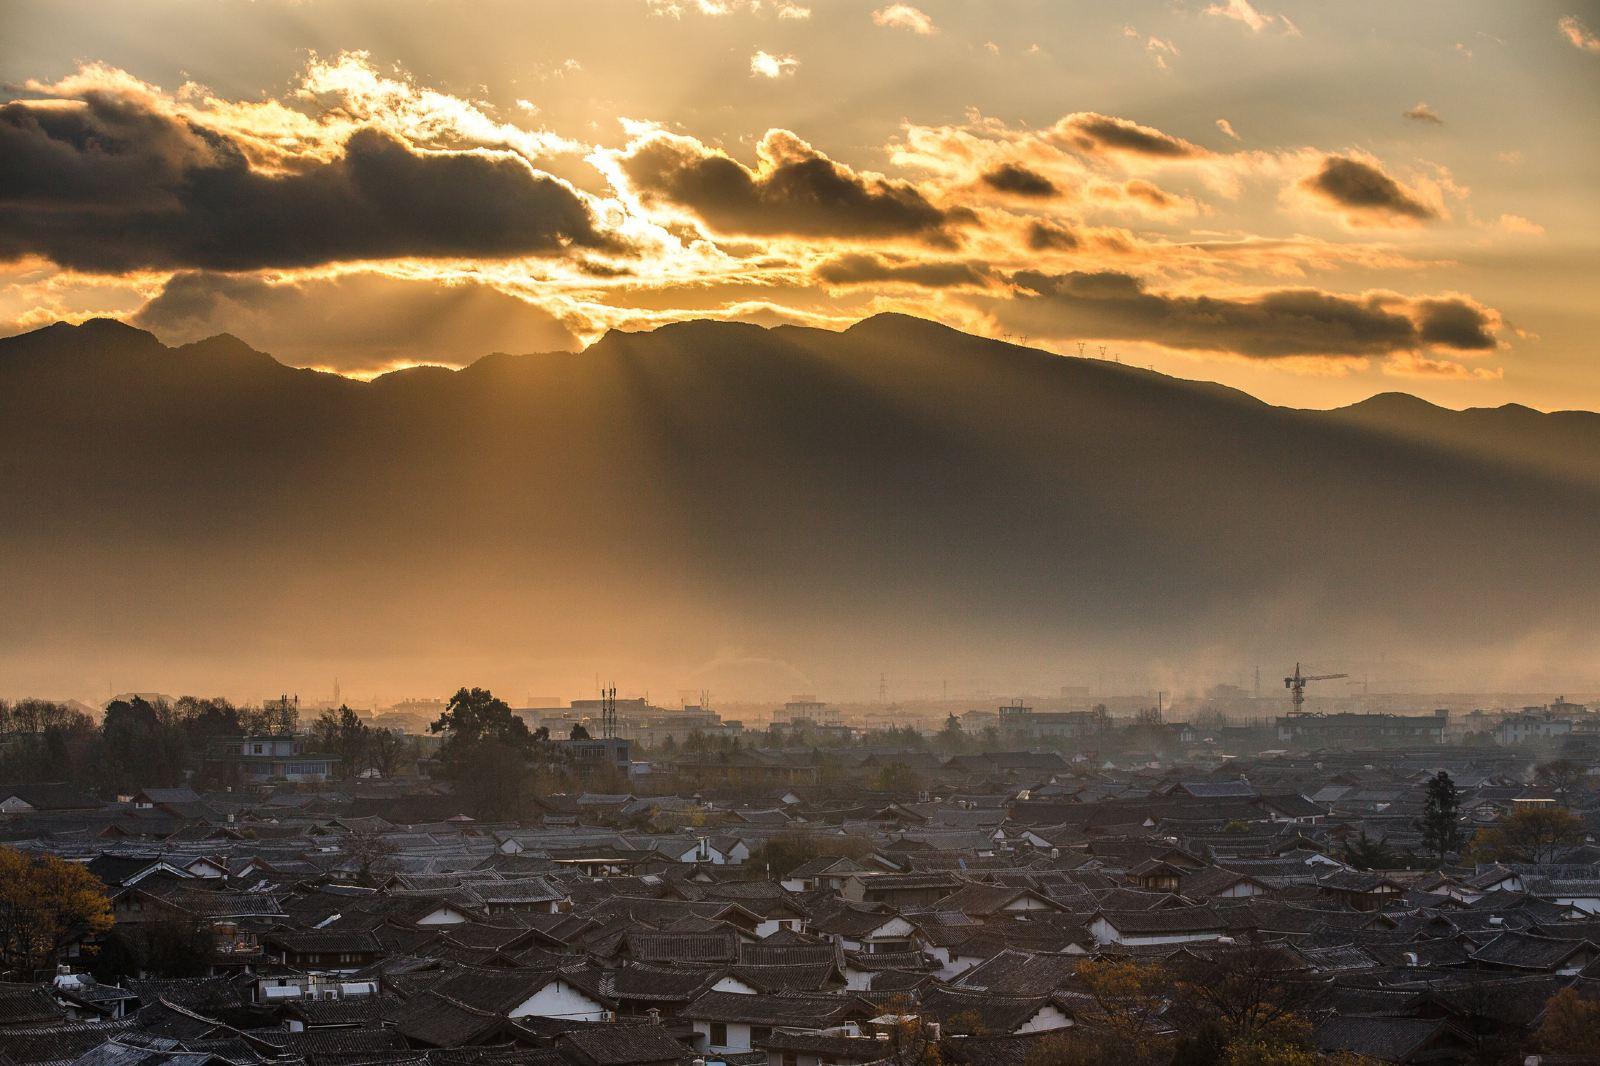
{"x": 1297, "y": 686}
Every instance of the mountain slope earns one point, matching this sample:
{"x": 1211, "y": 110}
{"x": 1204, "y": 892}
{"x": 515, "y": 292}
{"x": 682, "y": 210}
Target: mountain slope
{"x": 818, "y": 505}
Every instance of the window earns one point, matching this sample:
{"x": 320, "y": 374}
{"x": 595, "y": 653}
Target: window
{"x": 719, "y": 1034}
{"x": 791, "y": 1058}
{"x": 759, "y": 1033}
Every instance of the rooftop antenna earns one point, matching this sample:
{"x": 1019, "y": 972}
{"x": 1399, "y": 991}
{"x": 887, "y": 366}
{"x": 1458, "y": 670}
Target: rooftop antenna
{"x": 608, "y": 713}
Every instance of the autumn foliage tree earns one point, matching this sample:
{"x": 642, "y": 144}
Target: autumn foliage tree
{"x": 1130, "y": 1003}
{"x": 46, "y": 903}
{"x": 1571, "y": 1024}
{"x": 1531, "y": 834}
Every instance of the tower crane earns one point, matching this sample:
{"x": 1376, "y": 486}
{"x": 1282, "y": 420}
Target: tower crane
{"x": 1297, "y": 686}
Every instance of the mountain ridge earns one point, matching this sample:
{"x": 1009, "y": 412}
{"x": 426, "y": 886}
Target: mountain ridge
{"x": 898, "y": 493}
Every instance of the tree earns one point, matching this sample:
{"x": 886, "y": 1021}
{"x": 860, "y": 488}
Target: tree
{"x": 578, "y": 732}
{"x": 48, "y": 742}
{"x": 169, "y": 946}
{"x": 369, "y": 851}
{"x": 1563, "y": 777}
{"x": 1441, "y": 817}
{"x": 899, "y": 778}
{"x": 485, "y": 754}
{"x": 386, "y": 750}
{"x": 793, "y": 848}
{"x": 911, "y": 1041}
{"x": 1253, "y": 993}
{"x": 1529, "y": 834}
{"x": 1129, "y": 998}
{"x": 46, "y": 903}
{"x": 1571, "y": 1024}
{"x": 951, "y": 738}
{"x": 344, "y": 734}
{"x": 141, "y": 746}
{"x": 1364, "y": 853}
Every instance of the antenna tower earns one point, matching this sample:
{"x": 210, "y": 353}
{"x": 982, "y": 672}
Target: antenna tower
{"x": 608, "y": 713}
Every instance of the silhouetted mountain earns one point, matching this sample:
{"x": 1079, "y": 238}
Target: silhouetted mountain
{"x": 1561, "y": 442}
{"x": 898, "y": 496}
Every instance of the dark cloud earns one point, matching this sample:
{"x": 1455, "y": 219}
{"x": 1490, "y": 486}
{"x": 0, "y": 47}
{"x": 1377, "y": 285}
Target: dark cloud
{"x": 353, "y": 322}
{"x": 1455, "y": 324}
{"x": 1092, "y": 132}
{"x": 1051, "y": 237}
{"x": 106, "y": 184}
{"x": 1278, "y": 324}
{"x": 797, "y": 191}
{"x": 1362, "y": 187}
{"x": 1018, "y": 180}
{"x": 861, "y": 269}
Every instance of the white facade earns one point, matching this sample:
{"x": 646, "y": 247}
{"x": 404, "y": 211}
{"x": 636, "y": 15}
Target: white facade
{"x": 558, "y": 999}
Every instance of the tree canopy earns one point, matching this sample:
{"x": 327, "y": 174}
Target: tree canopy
{"x": 45, "y": 904}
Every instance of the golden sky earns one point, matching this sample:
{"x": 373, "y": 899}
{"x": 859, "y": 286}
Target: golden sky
{"x": 1312, "y": 202}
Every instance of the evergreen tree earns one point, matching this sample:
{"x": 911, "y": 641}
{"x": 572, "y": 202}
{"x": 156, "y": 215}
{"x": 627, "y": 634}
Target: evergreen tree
{"x": 1441, "y": 817}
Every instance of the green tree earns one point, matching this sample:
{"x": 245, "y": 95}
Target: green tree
{"x": 386, "y": 751}
{"x": 1529, "y": 834}
{"x": 1440, "y": 823}
{"x": 344, "y": 734}
{"x": 141, "y": 745}
{"x": 486, "y": 754}
{"x": 951, "y": 738}
{"x": 1365, "y": 853}
{"x": 578, "y": 732}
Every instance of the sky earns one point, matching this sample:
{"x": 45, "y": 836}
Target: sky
{"x": 1312, "y": 202}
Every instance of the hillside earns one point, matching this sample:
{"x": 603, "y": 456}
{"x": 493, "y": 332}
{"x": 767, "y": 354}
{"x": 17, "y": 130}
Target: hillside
{"x": 806, "y": 504}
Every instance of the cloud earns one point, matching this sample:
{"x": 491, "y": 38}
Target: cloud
{"x": 108, "y": 183}
{"x": 865, "y": 269}
{"x": 1091, "y": 132}
{"x": 1147, "y": 196}
{"x": 1227, "y": 128}
{"x": 793, "y": 190}
{"x": 1018, "y": 180}
{"x": 1519, "y": 225}
{"x": 1048, "y": 236}
{"x": 1578, "y": 35}
{"x": 714, "y": 8}
{"x": 905, "y": 17}
{"x": 767, "y": 65}
{"x": 1423, "y": 113}
{"x": 793, "y": 12}
{"x": 1242, "y": 11}
{"x": 1361, "y": 190}
{"x": 355, "y": 322}
{"x": 1158, "y": 48}
{"x": 1276, "y": 324}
